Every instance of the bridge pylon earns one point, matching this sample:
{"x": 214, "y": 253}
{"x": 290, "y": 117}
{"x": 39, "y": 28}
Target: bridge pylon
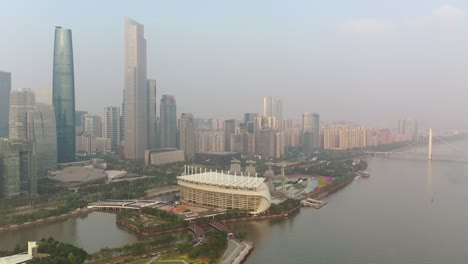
{"x": 430, "y": 144}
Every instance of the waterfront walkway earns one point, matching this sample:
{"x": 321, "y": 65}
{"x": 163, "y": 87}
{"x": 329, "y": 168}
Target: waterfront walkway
{"x": 236, "y": 252}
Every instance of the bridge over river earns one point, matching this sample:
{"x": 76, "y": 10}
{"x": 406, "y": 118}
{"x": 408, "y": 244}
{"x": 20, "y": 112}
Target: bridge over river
{"x": 414, "y": 151}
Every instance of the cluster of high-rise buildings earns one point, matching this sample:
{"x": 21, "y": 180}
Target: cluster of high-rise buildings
{"x": 343, "y": 136}
{"x": 38, "y": 131}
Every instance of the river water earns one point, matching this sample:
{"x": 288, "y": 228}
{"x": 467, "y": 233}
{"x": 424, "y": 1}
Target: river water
{"x": 408, "y": 211}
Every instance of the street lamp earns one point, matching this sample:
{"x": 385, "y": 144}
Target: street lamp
{"x": 113, "y": 189}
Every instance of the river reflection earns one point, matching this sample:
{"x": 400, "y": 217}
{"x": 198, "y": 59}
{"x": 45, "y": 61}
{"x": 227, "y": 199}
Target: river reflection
{"x": 91, "y": 232}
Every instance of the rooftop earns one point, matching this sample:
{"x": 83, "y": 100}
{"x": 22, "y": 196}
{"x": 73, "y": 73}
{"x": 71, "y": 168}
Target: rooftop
{"x": 222, "y": 179}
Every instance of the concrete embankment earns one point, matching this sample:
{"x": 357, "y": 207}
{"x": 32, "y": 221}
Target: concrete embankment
{"x": 261, "y": 217}
{"x": 47, "y": 219}
{"x": 236, "y": 251}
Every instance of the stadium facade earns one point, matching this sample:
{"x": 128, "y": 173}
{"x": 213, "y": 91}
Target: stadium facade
{"x": 224, "y": 191}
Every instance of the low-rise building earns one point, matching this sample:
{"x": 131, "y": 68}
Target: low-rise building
{"x": 163, "y": 156}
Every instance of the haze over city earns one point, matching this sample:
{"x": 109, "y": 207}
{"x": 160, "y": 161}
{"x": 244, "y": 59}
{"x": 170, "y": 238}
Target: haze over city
{"x": 363, "y": 61}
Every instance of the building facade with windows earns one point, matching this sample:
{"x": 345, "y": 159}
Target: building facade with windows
{"x": 224, "y": 191}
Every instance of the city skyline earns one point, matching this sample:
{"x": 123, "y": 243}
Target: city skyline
{"x": 370, "y": 95}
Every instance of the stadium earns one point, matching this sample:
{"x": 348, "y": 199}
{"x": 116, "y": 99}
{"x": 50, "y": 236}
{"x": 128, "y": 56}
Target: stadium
{"x": 225, "y": 191}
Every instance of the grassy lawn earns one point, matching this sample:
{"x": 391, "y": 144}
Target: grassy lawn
{"x": 175, "y": 257}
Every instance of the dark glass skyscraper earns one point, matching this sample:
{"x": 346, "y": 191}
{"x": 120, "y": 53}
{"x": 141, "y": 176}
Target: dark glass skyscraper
{"x": 5, "y": 87}
{"x": 168, "y": 122}
{"x": 64, "y": 95}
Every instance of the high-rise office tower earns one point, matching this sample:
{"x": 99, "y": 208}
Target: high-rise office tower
{"x": 272, "y": 107}
{"x": 64, "y": 94}
{"x": 151, "y": 97}
{"x": 266, "y": 143}
{"x": 5, "y": 87}
{"x": 135, "y": 91}
{"x": 91, "y": 124}
{"x": 278, "y": 107}
{"x": 42, "y": 131}
{"x": 168, "y": 122}
{"x": 267, "y": 106}
{"x": 17, "y": 167}
{"x": 249, "y": 121}
{"x": 311, "y": 131}
{"x": 21, "y": 101}
{"x": 187, "y": 135}
{"x": 408, "y": 127}
{"x": 122, "y": 121}
{"x": 111, "y": 125}
{"x": 43, "y": 95}
{"x": 78, "y": 125}
{"x": 230, "y": 128}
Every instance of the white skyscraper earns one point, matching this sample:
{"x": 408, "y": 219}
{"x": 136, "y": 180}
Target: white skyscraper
{"x": 21, "y": 101}
{"x": 135, "y": 91}
{"x": 272, "y": 107}
{"x": 111, "y": 125}
{"x": 91, "y": 124}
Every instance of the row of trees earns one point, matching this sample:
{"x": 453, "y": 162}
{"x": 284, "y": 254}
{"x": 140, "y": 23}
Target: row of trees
{"x": 213, "y": 248}
{"x": 70, "y": 205}
{"x": 284, "y": 206}
{"x": 60, "y": 253}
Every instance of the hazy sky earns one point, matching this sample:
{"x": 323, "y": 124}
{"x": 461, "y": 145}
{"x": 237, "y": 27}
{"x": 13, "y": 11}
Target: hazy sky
{"x": 365, "y": 61}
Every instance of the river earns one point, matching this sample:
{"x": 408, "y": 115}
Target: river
{"x": 408, "y": 211}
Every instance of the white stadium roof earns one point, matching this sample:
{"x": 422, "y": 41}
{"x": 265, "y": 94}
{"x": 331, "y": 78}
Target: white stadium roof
{"x": 224, "y": 180}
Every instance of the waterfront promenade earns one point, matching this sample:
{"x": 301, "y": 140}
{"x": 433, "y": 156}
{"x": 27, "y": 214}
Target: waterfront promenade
{"x": 236, "y": 251}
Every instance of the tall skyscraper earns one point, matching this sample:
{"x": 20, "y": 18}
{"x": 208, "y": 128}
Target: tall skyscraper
{"x": 272, "y": 107}
{"x": 168, "y": 122}
{"x": 5, "y": 87}
{"x": 267, "y": 106}
{"x": 151, "y": 97}
{"x": 187, "y": 135}
{"x": 135, "y": 91}
{"x": 17, "y": 167}
{"x": 408, "y": 127}
{"x": 21, "y": 101}
{"x": 78, "y": 125}
{"x": 111, "y": 125}
{"x": 91, "y": 124}
{"x": 42, "y": 131}
{"x": 64, "y": 94}
{"x": 122, "y": 121}
{"x": 278, "y": 109}
{"x": 311, "y": 131}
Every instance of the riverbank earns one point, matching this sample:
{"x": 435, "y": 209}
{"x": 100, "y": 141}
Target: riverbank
{"x": 324, "y": 193}
{"x": 47, "y": 219}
